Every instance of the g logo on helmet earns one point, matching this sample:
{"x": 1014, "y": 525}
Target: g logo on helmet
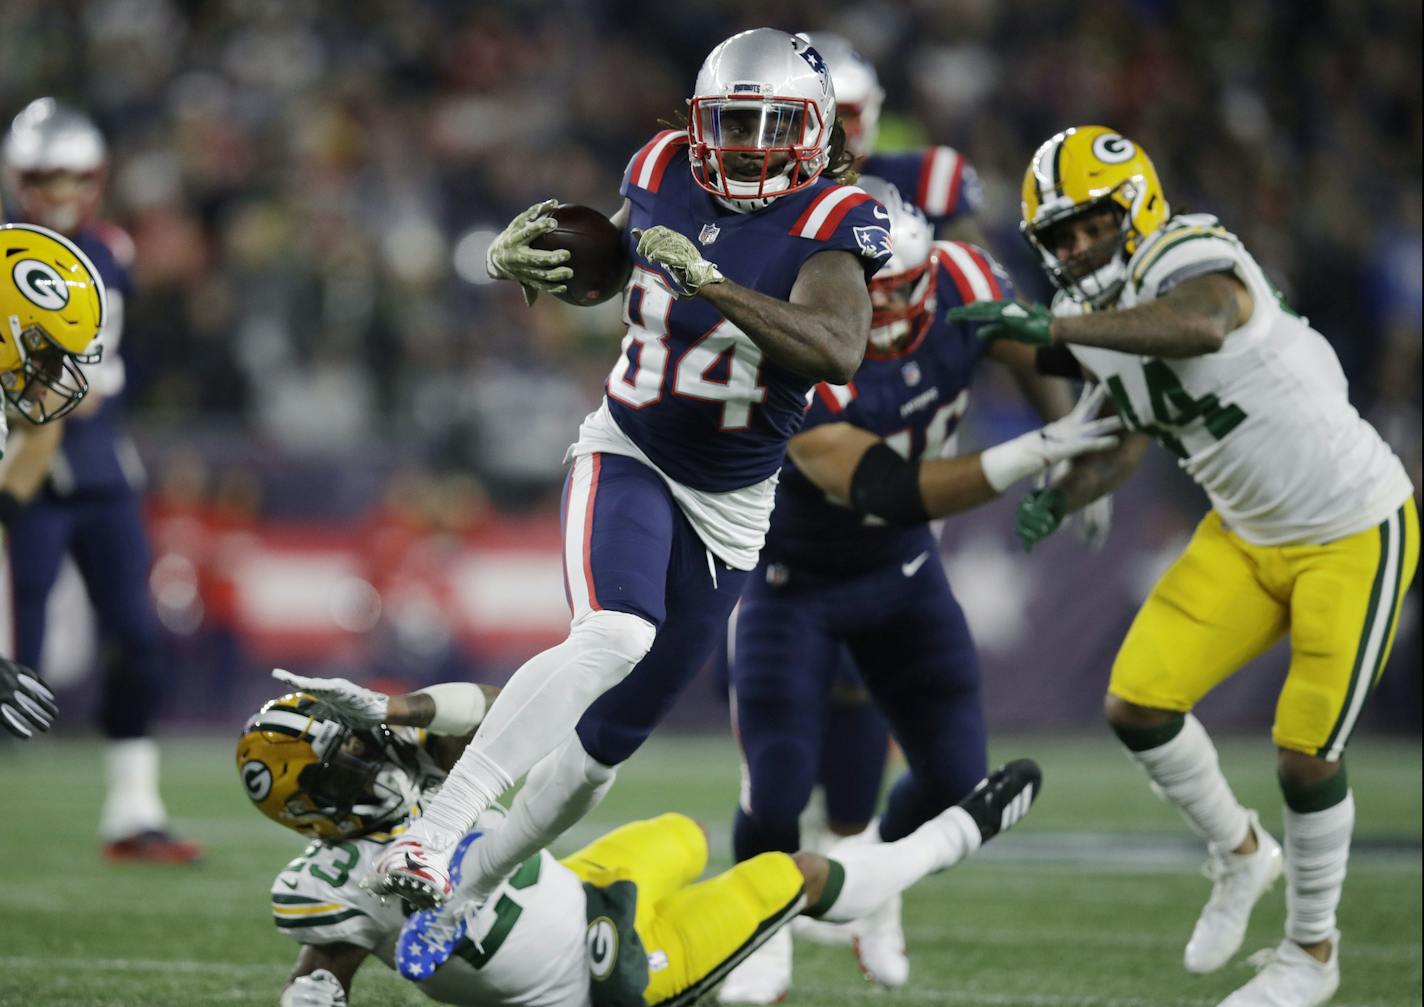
{"x": 602, "y": 943}
{"x": 257, "y": 778}
{"x": 41, "y": 284}
{"x": 1111, "y": 148}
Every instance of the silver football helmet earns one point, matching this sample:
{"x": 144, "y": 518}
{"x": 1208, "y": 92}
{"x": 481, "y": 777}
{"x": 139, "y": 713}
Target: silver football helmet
{"x": 760, "y": 118}
{"x": 902, "y": 294}
{"x": 55, "y": 162}
{"x": 859, "y": 95}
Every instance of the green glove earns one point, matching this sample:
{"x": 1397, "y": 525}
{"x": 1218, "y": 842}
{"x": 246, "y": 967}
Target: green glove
{"x": 688, "y": 270}
{"x": 1023, "y": 323}
{"x": 536, "y": 270}
{"x": 1039, "y": 515}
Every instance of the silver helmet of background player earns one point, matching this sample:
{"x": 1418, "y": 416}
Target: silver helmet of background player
{"x": 902, "y": 294}
{"x": 760, "y": 118}
{"x": 49, "y": 139}
{"x": 859, "y": 95}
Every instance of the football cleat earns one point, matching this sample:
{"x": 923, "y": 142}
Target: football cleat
{"x": 152, "y": 846}
{"x": 879, "y": 943}
{"x": 764, "y": 976}
{"x": 411, "y": 868}
{"x": 1289, "y": 977}
{"x": 1004, "y": 797}
{"x": 1238, "y": 882}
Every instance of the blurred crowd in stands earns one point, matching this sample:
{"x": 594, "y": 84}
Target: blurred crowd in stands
{"x": 311, "y": 187}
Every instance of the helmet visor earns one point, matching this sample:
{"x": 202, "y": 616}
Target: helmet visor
{"x": 738, "y": 124}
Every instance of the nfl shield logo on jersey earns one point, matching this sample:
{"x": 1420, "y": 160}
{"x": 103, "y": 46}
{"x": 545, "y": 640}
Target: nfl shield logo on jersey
{"x": 911, "y": 373}
{"x": 709, "y": 233}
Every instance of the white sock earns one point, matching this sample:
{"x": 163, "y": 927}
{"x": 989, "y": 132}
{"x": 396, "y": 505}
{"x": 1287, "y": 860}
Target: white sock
{"x": 131, "y": 802}
{"x": 1317, "y": 847}
{"x": 877, "y": 872}
{"x": 566, "y": 785}
{"x": 1187, "y": 772}
{"x": 535, "y": 712}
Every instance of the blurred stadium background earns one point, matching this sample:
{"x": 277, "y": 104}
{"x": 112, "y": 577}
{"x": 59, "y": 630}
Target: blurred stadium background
{"x": 354, "y": 441}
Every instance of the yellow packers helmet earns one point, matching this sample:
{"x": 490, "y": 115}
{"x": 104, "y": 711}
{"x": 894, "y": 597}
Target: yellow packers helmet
{"x": 51, "y": 310}
{"x": 306, "y": 770}
{"x": 1080, "y": 170}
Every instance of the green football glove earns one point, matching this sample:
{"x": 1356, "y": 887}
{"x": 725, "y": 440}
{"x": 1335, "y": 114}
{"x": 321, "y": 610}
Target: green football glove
{"x": 536, "y": 270}
{"x": 1023, "y": 323}
{"x": 688, "y": 270}
{"x": 1039, "y": 515}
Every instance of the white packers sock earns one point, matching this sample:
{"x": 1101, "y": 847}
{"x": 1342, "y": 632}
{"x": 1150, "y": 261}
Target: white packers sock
{"x": 1317, "y": 847}
{"x": 566, "y": 785}
{"x": 871, "y": 873}
{"x": 1187, "y": 772}
{"x": 535, "y": 712}
{"x": 131, "y": 801}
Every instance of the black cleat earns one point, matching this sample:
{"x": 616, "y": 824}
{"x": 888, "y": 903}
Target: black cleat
{"x": 1004, "y": 797}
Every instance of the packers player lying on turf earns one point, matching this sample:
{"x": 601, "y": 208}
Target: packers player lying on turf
{"x": 621, "y": 923}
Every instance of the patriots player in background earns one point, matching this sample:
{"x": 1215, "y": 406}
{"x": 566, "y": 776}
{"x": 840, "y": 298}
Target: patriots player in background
{"x": 620, "y": 923}
{"x": 56, "y": 164}
{"x": 1313, "y": 529}
{"x": 748, "y": 287}
{"x": 851, "y": 563}
{"x": 52, "y": 304}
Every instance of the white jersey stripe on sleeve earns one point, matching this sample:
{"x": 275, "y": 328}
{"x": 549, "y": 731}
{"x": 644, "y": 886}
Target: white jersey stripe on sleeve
{"x": 650, "y": 162}
{"x": 823, "y": 207}
{"x": 941, "y": 175}
{"x": 979, "y": 283}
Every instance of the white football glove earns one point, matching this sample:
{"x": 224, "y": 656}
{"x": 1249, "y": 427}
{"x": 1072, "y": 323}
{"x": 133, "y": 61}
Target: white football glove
{"x": 687, "y": 269}
{"x": 352, "y": 704}
{"x": 26, "y": 703}
{"x": 315, "y": 989}
{"x": 1093, "y": 522}
{"x": 1068, "y": 437}
{"x": 536, "y": 270}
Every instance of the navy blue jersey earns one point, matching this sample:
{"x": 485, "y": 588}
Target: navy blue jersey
{"x": 939, "y": 180}
{"x": 913, "y": 399}
{"x": 690, "y": 388}
{"x": 91, "y": 446}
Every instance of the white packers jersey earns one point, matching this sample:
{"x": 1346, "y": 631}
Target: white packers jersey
{"x": 526, "y": 949}
{"x": 1265, "y": 424}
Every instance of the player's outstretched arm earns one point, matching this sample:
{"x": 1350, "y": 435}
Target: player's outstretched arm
{"x": 322, "y": 976}
{"x": 451, "y": 708}
{"x": 1050, "y": 397}
{"x": 1090, "y": 478}
{"x": 858, "y": 468}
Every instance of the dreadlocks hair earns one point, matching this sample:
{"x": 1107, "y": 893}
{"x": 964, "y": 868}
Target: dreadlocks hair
{"x": 840, "y": 164}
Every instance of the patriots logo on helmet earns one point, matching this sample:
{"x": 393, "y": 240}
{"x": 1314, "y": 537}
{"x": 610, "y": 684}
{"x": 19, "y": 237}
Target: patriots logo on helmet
{"x": 875, "y": 242}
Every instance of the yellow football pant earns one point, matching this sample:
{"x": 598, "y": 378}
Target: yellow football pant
{"x": 1225, "y": 601}
{"x": 694, "y": 934}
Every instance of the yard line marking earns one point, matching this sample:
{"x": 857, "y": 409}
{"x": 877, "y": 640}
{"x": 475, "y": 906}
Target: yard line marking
{"x": 141, "y": 965}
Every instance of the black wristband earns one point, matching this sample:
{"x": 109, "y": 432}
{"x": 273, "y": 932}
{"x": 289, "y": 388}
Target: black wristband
{"x": 888, "y": 486}
{"x": 1057, "y": 361}
{"x": 9, "y": 507}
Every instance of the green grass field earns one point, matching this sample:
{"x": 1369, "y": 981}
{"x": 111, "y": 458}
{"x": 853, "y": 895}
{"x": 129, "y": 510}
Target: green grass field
{"x": 1087, "y": 904}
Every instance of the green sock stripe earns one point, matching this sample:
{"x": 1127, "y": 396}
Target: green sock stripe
{"x": 1140, "y": 739}
{"x": 835, "y": 881}
{"x": 1308, "y": 797}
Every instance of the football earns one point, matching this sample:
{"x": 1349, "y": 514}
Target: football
{"x": 598, "y": 259}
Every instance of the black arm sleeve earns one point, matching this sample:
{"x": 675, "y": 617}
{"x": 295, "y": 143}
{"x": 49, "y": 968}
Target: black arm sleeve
{"x": 1057, "y": 361}
{"x": 888, "y": 486}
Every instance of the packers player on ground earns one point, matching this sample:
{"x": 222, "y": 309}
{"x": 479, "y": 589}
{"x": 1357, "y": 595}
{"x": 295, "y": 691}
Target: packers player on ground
{"x": 620, "y": 923}
{"x": 51, "y": 311}
{"x": 1313, "y": 529}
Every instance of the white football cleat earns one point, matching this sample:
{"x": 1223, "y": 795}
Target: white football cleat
{"x": 764, "y": 976}
{"x": 879, "y": 943}
{"x": 1238, "y": 882}
{"x": 414, "y": 867}
{"x": 1290, "y": 978}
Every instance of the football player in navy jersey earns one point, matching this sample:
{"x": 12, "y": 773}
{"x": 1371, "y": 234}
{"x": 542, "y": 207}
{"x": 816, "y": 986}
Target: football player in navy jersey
{"x": 851, "y": 561}
{"x": 88, "y": 508}
{"x": 748, "y": 287}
